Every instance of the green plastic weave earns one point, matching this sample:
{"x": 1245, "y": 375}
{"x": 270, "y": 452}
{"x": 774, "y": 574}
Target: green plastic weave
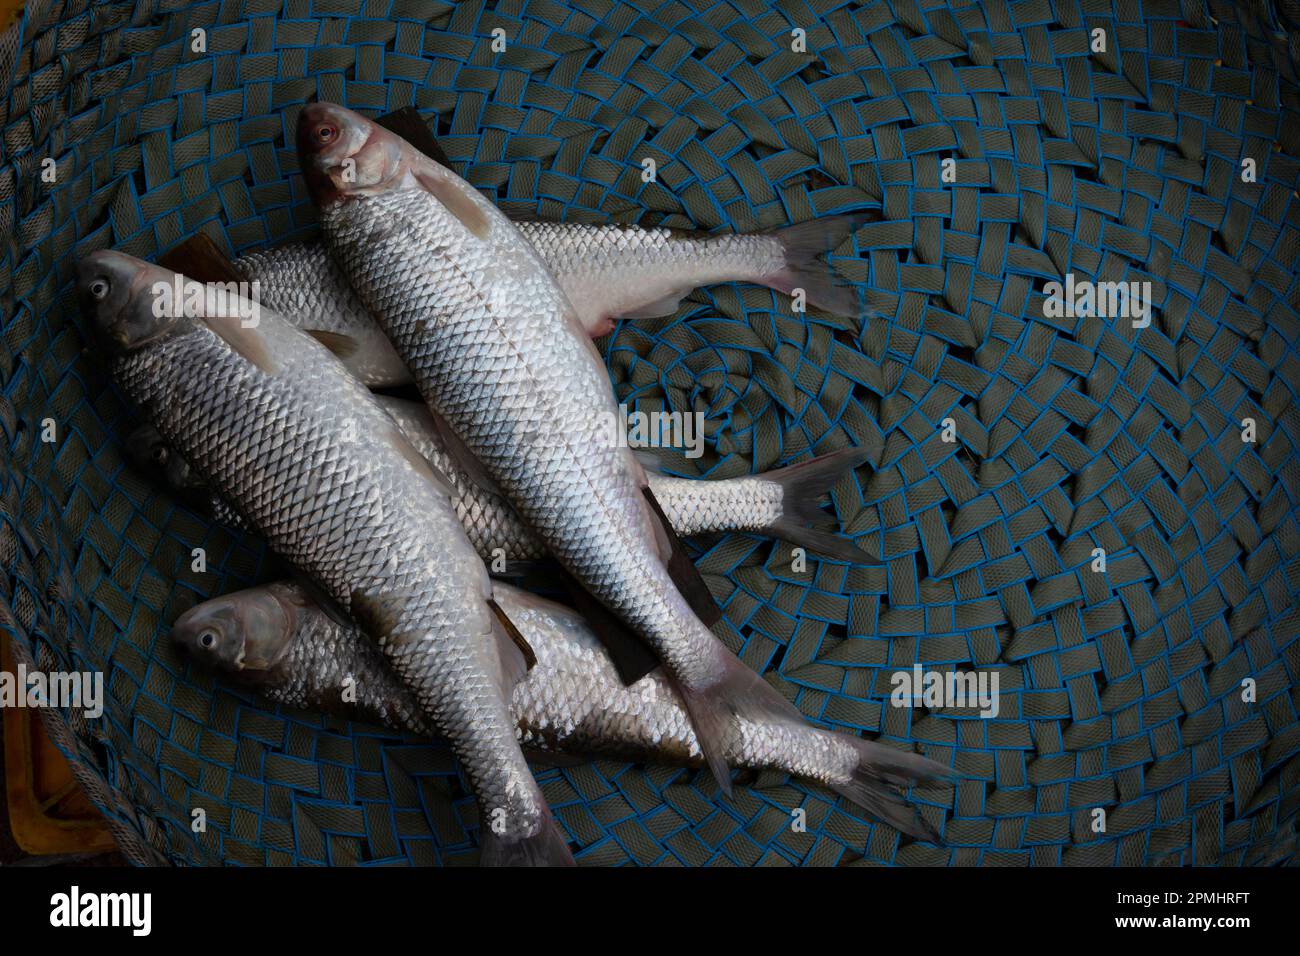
{"x": 1121, "y": 690}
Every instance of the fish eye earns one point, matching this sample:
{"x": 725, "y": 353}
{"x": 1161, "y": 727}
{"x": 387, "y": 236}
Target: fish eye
{"x": 159, "y": 454}
{"x": 208, "y": 639}
{"x": 99, "y": 288}
{"x": 326, "y": 133}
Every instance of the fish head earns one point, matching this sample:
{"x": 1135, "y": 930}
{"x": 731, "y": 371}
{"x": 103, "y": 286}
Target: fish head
{"x": 343, "y": 154}
{"x": 244, "y": 633}
{"x": 121, "y": 295}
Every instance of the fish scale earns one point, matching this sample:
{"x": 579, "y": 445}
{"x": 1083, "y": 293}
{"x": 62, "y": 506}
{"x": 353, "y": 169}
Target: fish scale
{"x": 572, "y": 701}
{"x": 526, "y": 395}
{"x": 692, "y": 506}
{"x": 603, "y": 270}
{"x": 497, "y": 349}
{"x": 305, "y": 457}
{"x": 592, "y": 263}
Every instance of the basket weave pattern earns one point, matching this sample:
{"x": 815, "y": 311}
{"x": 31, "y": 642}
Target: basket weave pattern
{"x": 1120, "y": 690}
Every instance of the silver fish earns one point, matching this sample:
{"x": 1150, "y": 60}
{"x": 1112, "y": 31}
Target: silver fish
{"x": 606, "y": 271}
{"x": 275, "y": 639}
{"x": 781, "y": 503}
{"x": 499, "y": 353}
{"x": 269, "y": 418}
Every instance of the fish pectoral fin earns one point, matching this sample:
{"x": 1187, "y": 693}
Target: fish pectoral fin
{"x": 681, "y": 568}
{"x": 344, "y": 346}
{"x": 469, "y": 463}
{"x": 319, "y": 595}
{"x": 402, "y": 445}
{"x": 245, "y": 341}
{"x": 668, "y": 305}
{"x": 450, "y": 192}
{"x": 515, "y": 653}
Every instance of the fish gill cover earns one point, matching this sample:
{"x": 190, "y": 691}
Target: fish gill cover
{"x": 1011, "y": 439}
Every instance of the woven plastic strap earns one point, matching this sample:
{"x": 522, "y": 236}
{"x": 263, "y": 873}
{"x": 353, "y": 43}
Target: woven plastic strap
{"x": 1012, "y": 447}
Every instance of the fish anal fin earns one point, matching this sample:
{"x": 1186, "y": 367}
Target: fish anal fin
{"x": 632, "y": 657}
{"x": 735, "y": 692}
{"x": 682, "y": 569}
{"x": 517, "y": 639}
{"x": 659, "y": 308}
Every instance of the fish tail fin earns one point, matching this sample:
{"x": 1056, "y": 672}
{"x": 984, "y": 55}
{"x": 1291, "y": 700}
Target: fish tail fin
{"x": 714, "y": 708}
{"x": 804, "y": 244}
{"x": 880, "y": 769}
{"x": 546, "y": 847}
{"x": 802, "y": 488}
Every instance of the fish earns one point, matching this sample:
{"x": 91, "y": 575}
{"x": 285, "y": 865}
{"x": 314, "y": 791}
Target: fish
{"x": 276, "y": 641}
{"x": 269, "y": 419}
{"x": 606, "y": 271}
{"x": 783, "y": 503}
{"x": 499, "y": 353}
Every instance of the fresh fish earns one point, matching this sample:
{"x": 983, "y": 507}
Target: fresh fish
{"x": 606, "y": 271}
{"x": 299, "y": 281}
{"x": 781, "y": 503}
{"x": 268, "y": 417}
{"x": 276, "y": 639}
{"x": 499, "y": 353}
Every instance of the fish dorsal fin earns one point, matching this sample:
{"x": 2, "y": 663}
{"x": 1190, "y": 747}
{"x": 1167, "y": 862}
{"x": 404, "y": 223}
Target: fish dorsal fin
{"x": 245, "y": 341}
{"x": 344, "y": 346}
{"x": 408, "y": 124}
{"x": 402, "y": 445}
{"x": 515, "y": 653}
{"x": 450, "y": 191}
{"x": 200, "y": 259}
{"x": 468, "y": 462}
{"x": 681, "y": 568}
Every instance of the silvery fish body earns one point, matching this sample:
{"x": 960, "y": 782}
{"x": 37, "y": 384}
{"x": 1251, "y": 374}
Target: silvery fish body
{"x": 613, "y": 269}
{"x": 691, "y": 506}
{"x": 269, "y": 418}
{"x": 498, "y": 352}
{"x": 779, "y": 503}
{"x": 300, "y": 282}
{"x": 572, "y": 701}
{"x": 606, "y": 271}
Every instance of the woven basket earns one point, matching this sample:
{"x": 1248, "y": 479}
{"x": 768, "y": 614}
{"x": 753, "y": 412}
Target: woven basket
{"x": 1120, "y": 690}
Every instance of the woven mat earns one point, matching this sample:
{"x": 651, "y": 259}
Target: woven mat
{"x": 1120, "y": 690}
